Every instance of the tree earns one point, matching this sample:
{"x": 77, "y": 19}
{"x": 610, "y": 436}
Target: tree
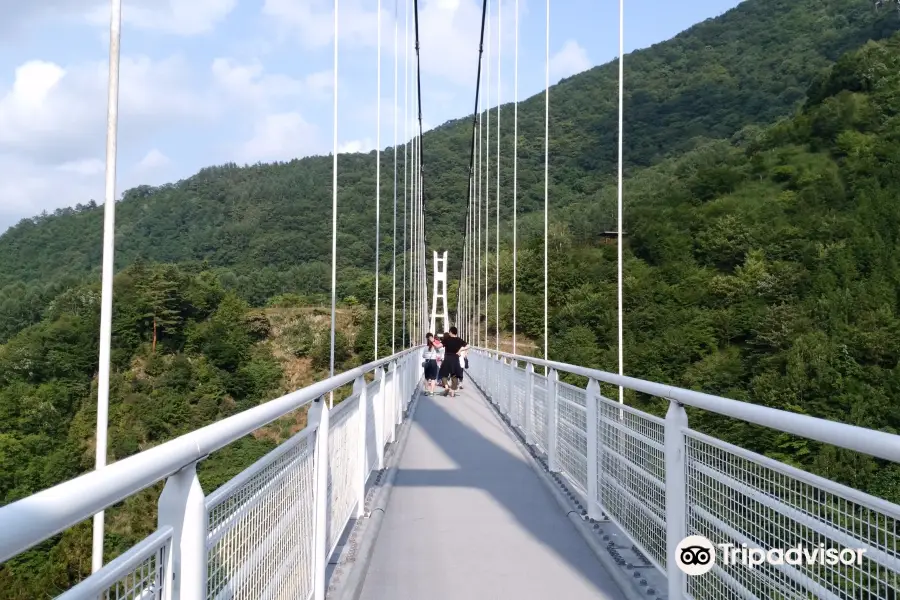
{"x": 159, "y": 292}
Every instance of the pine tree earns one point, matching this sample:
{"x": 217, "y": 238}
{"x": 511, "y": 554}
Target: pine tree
{"x": 161, "y": 302}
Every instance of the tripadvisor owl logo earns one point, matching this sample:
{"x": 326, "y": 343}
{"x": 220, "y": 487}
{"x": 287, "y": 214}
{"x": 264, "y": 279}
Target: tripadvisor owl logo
{"x": 695, "y": 555}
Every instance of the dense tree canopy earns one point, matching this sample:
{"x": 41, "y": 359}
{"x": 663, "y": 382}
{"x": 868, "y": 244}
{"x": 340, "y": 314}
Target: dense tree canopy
{"x": 185, "y": 353}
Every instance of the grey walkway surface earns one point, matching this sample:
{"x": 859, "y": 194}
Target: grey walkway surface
{"x": 469, "y": 518}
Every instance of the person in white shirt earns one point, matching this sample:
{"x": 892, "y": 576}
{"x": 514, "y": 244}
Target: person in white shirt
{"x": 430, "y": 364}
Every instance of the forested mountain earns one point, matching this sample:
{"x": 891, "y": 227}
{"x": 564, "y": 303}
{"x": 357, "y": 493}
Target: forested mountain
{"x": 764, "y": 268}
{"x": 762, "y": 263}
{"x": 185, "y": 353}
{"x": 264, "y": 224}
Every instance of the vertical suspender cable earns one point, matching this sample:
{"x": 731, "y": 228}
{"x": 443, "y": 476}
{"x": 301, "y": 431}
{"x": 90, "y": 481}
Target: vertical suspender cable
{"x": 394, "y": 236}
{"x": 418, "y": 267}
{"x": 619, "y": 199}
{"x": 469, "y": 232}
{"x": 377, "y": 176}
{"x": 546, "y": 178}
{"x": 497, "y": 201}
{"x": 469, "y": 297}
{"x": 467, "y": 259}
{"x": 478, "y": 260}
{"x": 423, "y": 257}
{"x": 406, "y": 342}
{"x": 460, "y": 300}
{"x": 473, "y": 210}
{"x": 487, "y": 189}
{"x": 334, "y": 205}
{"x": 421, "y": 140}
{"x": 414, "y": 232}
{"x": 414, "y": 209}
{"x": 108, "y": 269}
{"x": 515, "y": 175}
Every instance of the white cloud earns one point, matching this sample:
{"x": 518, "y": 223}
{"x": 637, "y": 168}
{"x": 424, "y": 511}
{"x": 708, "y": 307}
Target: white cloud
{"x": 313, "y": 21}
{"x": 86, "y": 167}
{"x": 53, "y": 127}
{"x": 280, "y": 137}
{"x": 153, "y": 160}
{"x": 26, "y": 189}
{"x": 364, "y": 145}
{"x": 52, "y": 114}
{"x": 178, "y": 17}
{"x": 250, "y": 84}
{"x": 570, "y": 60}
{"x": 448, "y": 29}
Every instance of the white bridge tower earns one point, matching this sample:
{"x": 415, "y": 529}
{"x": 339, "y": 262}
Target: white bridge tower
{"x": 440, "y": 293}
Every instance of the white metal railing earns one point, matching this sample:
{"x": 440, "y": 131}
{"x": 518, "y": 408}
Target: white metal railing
{"x": 267, "y": 533}
{"x": 660, "y": 481}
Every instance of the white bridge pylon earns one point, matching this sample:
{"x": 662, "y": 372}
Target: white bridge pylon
{"x": 440, "y": 293}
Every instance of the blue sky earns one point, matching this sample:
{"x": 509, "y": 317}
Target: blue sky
{"x": 209, "y": 81}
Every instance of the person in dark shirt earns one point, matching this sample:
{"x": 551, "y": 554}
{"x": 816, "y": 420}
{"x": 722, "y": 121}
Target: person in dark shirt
{"x": 451, "y": 368}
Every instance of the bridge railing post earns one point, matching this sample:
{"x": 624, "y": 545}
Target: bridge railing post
{"x": 594, "y": 447}
{"x": 529, "y": 404}
{"x": 400, "y": 395}
{"x": 676, "y": 506}
{"x": 498, "y": 382}
{"x": 415, "y": 376}
{"x": 378, "y": 415}
{"x": 502, "y": 385}
{"x": 182, "y": 506}
{"x": 553, "y": 421}
{"x": 319, "y": 413}
{"x": 359, "y": 387}
{"x": 391, "y": 402}
{"x": 409, "y": 368}
{"x": 509, "y": 376}
{"x": 492, "y": 377}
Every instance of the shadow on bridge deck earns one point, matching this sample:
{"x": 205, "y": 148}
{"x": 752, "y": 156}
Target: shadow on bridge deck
{"x": 469, "y": 518}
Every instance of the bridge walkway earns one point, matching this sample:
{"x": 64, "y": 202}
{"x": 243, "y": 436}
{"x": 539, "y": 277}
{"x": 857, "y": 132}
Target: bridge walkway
{"x": 469, "y": 517}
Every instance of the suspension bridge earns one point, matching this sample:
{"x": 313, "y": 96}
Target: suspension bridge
{"x": 523, "y": 486}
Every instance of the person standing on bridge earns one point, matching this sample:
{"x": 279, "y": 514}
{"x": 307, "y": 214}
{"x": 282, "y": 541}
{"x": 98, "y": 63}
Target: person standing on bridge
{"x": 429, "y": 364}
{"x": 439, "y": 348}
{"x": 451, "y": 369}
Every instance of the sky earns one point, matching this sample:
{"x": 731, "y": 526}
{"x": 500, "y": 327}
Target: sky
{"x": 205, "y": 82}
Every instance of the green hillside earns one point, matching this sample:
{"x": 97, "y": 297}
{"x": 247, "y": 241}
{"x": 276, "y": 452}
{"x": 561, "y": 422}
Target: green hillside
{"x": 185, "y": 353}
{"x": 764, "y": 268}
{"x": 262, "y": 226}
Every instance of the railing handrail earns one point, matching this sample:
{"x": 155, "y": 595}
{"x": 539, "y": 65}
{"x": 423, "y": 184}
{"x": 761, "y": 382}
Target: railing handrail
{"x": 29, "y": 521}
{"x": 875, "y": 443}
